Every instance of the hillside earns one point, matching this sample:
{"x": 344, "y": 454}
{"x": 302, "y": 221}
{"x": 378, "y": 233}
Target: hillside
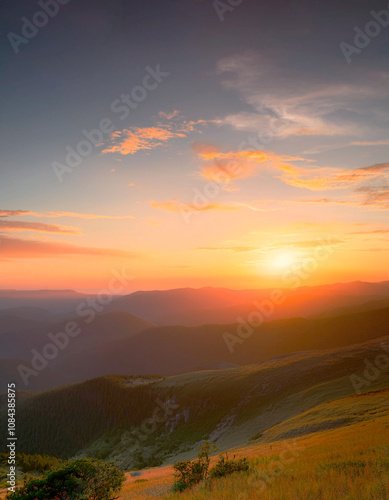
{"x": 28, "y": 335}
{"x": 176, "y": 349}
{"x": 46, "y": 380}
{"x": 346, "y": 462}
{"x": 103, "y": 417}
{"x": 11, "y": 321}
{"x": 24, "y": 335}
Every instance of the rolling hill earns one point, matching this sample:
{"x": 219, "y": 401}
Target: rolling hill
{"x": 105, "y": 417}
{"x": 176, "y": 349}
{"x": 348, "y": 461}
{"x": 28, "y": 335}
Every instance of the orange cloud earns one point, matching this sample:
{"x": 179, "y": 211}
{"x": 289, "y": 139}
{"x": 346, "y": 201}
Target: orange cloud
{"x": 131, "y": 141}
{"x": 224, "y": 168}
{"x": 7, "y": 213}
{"x": 171, "y": 125}
{"x": 227, "y": 167}
{"x": 37, "y": 226}
{"x": 16, "y": 248}
{"x": 210, "y": 152}
{"x": 320, "y": 179}
{"x": 176, "y": 206}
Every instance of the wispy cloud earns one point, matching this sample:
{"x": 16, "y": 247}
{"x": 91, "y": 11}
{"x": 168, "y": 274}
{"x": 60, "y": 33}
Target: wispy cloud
{"x": 129, "y": 141}
{"x": 10, "y": 213}
{"x": 305, "y": 105}
{"x": 372, "y": 232}
{"x": 374, "y": 196}
{"x": 369, "y": 197}
{"x": 17, "y": 248}
{"x": 326, "y": 201}
{"x": 12, "y": 225}
{"x": 13, "y": 213}
{"x": 320, "y": 179}
{"x": 304, "y": 244}
{"x": 177, "y": 206}
{"x": 225, "y": 167}
{"x": 384, "y": 142}
{"x": 229, "y": 249}
{"x": 168, "y": 126}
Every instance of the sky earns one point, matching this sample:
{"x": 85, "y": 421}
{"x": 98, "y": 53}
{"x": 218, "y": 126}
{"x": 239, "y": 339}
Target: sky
{"x": 193, "y": 143}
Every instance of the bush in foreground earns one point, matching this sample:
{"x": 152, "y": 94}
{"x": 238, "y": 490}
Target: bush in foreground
{"x": 33, "y": 463}
{"x": 225, "y": 466}
{"x": 81, "y": 479}
{"x": 188, "y": 473}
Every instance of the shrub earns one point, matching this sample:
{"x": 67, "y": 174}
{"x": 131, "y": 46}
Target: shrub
{"x": 189, "y": 473}
{"x": 33, "y": 463}
{"x": 225, "y": 466}
{"x": 179, "y": 487}
{"x": 81, "y": 479}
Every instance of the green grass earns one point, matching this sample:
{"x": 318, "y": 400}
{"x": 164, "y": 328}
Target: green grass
{"x": 349, "y": 462}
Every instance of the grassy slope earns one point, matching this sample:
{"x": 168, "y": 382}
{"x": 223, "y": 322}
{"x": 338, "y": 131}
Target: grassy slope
{"x": 348, "y": 462}
{"x": 229, "y": 406}
{"x": 311, "y": 437}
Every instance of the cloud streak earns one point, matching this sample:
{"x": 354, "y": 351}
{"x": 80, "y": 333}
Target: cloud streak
{"x": 37, "y": 226}
{"x": 227, "y": 167}
{"x": 177, "y": 206}
{"x": 304, "y": 106}
{"x": 130, "y": 141}
{"x": 306, "y": 244}
{"x": 171, "y": 126}
{"x": 384, "y": 142}
{"x": 369, "y": 197}
{"x": 13, "y": 213}
{"x": 321, "y": 179}
{"x": 17, "y": 248}
{"x": 229, "y": 249}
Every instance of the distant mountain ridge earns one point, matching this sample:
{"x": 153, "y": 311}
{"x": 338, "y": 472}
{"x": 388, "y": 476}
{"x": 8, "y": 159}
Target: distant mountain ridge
{"x": 193, "y": 307}
{"x": 21, "y": 339}
{"x": 56, "y": 301}
{"x": 197, "y": 306}
{"x": 115, "y": 340}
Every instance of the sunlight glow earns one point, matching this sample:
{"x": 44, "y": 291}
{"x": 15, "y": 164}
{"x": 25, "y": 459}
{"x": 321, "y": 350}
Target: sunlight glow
{"x": 284, "y": 260}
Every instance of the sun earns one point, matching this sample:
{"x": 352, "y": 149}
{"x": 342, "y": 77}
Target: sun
{"x": 284, "y": 260}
